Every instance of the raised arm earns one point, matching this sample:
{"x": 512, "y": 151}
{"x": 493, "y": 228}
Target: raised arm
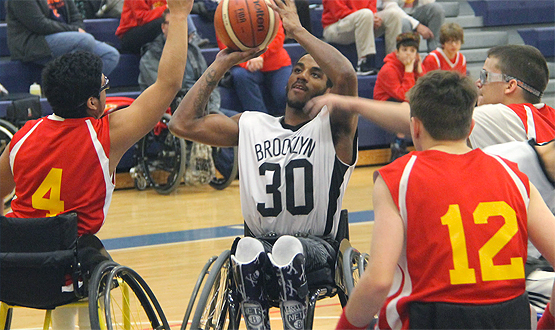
{"x": 127, "y": 126}
{"x": 190, "y": 120}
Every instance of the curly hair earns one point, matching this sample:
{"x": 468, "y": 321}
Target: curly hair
{"x": 69, "y": 80}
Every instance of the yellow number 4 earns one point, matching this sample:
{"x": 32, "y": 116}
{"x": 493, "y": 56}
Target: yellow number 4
{"x": 462, "y": 274}
{"x": 42, "y": 200}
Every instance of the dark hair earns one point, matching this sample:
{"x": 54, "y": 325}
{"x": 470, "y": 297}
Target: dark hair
{"x": 526, "y": 63}
{"x": 408, "y": 39}
{"x": 165, "y": 13}
{"x": 444, "y": 102}
{"x": 329, "y": 83}
{"x": 451, "y": 31}
{"x": 69, "y": 80}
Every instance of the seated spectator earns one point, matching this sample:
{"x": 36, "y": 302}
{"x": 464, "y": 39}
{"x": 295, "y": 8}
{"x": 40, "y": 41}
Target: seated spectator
{"x": 41, "y": 30}
{"x": 196, "y": 65}
{"x": 398, "y": 75}
{"x": 358, "y": 21}
{"x": 260, "y": 82}
{"x": 423, "y": 16}
{"x": 141, "y": 22}
{"x": 448, "y": 57}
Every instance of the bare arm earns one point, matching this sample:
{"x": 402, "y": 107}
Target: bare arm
{"x": 391, "y": 116}
{"x": 541, "y": 226}
{"x": 190, "y": 122}
{"x": 129, "y": 125}
{"x": 7, "y": 184}
{"x": 387, "y": 243}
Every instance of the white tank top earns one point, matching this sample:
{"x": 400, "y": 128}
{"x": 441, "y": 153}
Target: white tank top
{"x": 290, "y": 178}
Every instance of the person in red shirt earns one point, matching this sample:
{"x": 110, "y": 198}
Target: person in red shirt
{"x": 448, "y": 57}
{"x": 451, "y": 226}
{"x": 398, "y": 74}
{"x": 267, "y": 75}
{"x": 140, "y": 23}
{"x": 358, "y": 21}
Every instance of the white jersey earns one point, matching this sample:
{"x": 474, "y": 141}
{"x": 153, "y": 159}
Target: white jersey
{"x": 524, "y": 154}
{"x": 291, "y": 180}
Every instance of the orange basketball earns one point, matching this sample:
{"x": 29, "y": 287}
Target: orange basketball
{"x": 245, "y": 24}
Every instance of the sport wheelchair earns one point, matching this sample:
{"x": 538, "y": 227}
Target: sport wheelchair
{"x": 42, "y": 258}
{"x": 218, "y": 306}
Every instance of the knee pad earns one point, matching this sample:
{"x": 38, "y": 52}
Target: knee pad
{"x": 248, "y": 264}
{"x": 287, "y": 260}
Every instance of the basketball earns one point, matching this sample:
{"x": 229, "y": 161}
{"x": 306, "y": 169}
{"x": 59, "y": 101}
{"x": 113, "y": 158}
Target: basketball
{"x": 245, "y": 24}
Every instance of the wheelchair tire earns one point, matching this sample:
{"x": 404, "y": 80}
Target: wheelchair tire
{"x": 163, "y": 158}
{"x": 212, "y": 311}
{"x": 226, "y": 162}
{"x": 353, "y": 267}
{"x": 131, "y": 302}
{"x": 7, "y": 131}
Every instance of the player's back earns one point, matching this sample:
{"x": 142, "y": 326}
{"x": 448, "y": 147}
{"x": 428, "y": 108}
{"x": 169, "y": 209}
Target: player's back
{"x": 466, "y": 230}
{"x": 60, "y": 166}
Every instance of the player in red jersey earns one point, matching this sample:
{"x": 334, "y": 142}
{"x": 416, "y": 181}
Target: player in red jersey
{"x": 451, "y": 226}
{"x": 66, "y": 161}
{"x": 448, "y": 57}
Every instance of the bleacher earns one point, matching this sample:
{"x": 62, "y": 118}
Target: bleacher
{"x": 474, "y": 15}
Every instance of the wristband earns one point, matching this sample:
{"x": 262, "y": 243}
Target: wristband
{"x": 547, "y": 320}
{"x": 344, "y": 324}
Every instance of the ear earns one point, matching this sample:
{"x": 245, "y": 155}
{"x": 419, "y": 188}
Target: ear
{"x": 415, "y": 127}
{"x": 511, "y": 87}
{"x": 93, "y": 104}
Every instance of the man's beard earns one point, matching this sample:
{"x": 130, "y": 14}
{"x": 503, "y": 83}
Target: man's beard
{"x": 299, "y": 105}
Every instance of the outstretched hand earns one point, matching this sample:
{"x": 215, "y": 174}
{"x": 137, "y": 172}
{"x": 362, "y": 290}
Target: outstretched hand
{"x": 289, "y": 17}
{"x": 232, "y": 57}
{"x": 332, "y": 101}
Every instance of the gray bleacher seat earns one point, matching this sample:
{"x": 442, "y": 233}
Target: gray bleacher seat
{"x": 104, "y": 29}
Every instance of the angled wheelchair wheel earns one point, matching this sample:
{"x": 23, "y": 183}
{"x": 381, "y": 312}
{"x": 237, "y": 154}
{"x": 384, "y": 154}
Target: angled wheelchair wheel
{"x": 354, "y": 263}
{"x": 120, "y": 299}
{"x": 162, "y": 157}
{"x": 226, "y": 162}
{"x": 213, "y": 307}
{"x": 7, "y": 130}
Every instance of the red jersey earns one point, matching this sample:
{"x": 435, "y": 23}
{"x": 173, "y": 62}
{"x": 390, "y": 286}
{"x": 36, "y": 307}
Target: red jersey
{"x": 437, "y": 60}
{"x": 138, "y": 13}
{"x": 334, "y": 10}
{"x": 539, "y": 123}
{"x": 465, "y": 231}
{"x": 61, "y": 166}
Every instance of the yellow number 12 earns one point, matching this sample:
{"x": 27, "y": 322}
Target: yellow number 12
{"x": 462, "y": 274}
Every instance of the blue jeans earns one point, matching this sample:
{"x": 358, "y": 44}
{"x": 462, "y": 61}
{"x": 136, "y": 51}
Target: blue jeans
{"x": 261, "y": 91}
{"x": 66, "y": 42}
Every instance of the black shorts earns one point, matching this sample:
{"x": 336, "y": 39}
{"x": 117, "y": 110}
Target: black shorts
{"x": 512, "y": 314}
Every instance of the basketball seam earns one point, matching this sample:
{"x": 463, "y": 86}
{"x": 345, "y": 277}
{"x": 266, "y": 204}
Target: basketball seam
{"x": 271, "y": 27}
{"x": 229, "y": 28}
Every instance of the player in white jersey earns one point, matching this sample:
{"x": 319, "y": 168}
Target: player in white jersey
{"x": 537, "y": 161}
{"x": 293, "y": 173}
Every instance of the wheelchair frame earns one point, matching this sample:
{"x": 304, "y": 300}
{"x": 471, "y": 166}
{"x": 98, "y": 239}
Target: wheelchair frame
{"x": 218, "y": 306}
{"x": 58, "y": 256}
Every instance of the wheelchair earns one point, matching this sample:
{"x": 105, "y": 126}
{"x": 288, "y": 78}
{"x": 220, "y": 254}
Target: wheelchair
{"x": 42, "y": 258}
{"x": 218, "y": 306}
{"x": 7, "y": 130}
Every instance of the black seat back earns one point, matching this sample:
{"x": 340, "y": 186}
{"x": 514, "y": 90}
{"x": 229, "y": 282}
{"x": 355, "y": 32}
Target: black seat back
{"x": 36, "y": 257}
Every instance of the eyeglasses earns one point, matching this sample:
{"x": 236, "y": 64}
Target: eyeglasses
{"x": 104, "y": 87}
{"x": 488, "y": 77}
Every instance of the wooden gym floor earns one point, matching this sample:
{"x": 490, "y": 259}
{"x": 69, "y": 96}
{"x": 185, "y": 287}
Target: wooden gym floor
{"x": 168, "y": 239}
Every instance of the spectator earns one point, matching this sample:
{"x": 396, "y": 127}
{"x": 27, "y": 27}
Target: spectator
{"x": 398, "y": 75}
{"x": 430, "y": 267}
{"x": 358, "y": 21}
{"x": 66, "y": 162}
{"x": 284, "y": 190}
{"x": 141, "y": 22}
{"x": 41, "y": 30}
{"x": 423, "y": 16}
{"x": 448, "y": 57}
{"x": 260, "y": 82}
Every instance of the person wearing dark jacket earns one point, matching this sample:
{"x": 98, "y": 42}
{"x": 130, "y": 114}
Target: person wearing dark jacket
{"x": 40, "y": 30}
